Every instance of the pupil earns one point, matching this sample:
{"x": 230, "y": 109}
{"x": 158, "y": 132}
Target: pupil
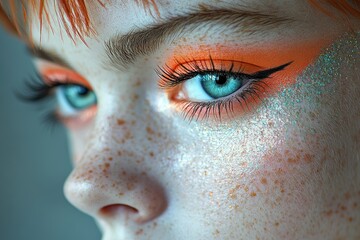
{"x": 222, "y": 79}
{"x": 82, "y": 91}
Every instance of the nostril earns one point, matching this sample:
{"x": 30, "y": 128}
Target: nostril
{"x": 118, "y": 210}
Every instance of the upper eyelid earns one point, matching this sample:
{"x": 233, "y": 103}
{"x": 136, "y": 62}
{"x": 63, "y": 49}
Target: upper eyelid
{"x": 123, "y": 50}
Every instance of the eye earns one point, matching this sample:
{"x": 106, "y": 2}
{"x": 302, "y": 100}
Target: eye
{"x": 74, "y": 98}
{"x": 206, "y": 87}
{"x": 69, "y": 99}
{"x": 210, "y": 87}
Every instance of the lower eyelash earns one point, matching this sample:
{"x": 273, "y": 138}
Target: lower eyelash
{"x": 194, "y": 110}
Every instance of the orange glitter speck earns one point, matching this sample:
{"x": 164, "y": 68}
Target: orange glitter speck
{"x": 253, "y": 194}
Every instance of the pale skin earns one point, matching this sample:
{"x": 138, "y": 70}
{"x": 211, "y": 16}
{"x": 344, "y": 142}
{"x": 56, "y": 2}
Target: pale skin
{"x": 142, "y": 171}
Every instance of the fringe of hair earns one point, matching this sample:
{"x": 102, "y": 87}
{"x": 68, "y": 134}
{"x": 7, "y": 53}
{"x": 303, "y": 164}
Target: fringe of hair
{"x": 75, "y": 19}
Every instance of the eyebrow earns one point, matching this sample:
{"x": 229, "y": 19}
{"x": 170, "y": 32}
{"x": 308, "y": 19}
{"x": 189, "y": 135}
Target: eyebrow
{"x": 46, "y": 55}
{"x": 123, "y": 50}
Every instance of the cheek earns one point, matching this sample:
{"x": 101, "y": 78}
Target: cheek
{"x": 291, "y": 159}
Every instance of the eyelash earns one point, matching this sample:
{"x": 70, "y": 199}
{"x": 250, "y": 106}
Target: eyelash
{"x": 36, "y": 90}
{"x": 171, "y": 79}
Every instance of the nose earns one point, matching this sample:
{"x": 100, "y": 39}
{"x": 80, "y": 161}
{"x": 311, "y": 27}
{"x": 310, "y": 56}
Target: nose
{"x": 112, "y": 189}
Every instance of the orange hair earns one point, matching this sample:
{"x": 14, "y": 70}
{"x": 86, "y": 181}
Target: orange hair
{"x": 78, "y": 24}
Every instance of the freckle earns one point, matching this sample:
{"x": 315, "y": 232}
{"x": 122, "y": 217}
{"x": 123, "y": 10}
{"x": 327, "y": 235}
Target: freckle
{"x": 110, "y": 158}
{"x": 307, "y": 158}
{"x": 355, "y": 205}
{"x": 121, "y": 121}
{"x": 291, "y": 160}
{"x": 329, "y": 213}
{"x": 121, "y": 194}
{"x": 277, "y": 224}
{"x": 271, "y": 124}
{"x": 139, "y": 232}
{"x": 253, "y": 194}
{"x": 149, "y": 130}
{"x": 130, "y": 186}
{"x": 350, "y": 219}
{"x": 129, "y": 135}
{"x": 264, "y": 181}
{"x": 282, "y": 190}
{"x": 343, "y": 208}
{"x": 123, "y": 173}
{"x": 347, "y": 196}
{"x": 90, "y": 171}
{"x": 119, "y": 153}
{"x": 151, "y": 154}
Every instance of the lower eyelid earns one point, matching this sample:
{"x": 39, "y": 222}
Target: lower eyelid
{"x": 225, "y": 108}
{"x": 82, "y": 118}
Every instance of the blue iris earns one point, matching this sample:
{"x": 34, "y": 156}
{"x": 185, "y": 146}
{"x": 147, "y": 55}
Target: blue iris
{"x": 220, "y": 85}
{"x": 78, "y": 97}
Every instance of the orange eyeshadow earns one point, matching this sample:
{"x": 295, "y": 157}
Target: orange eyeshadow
{"x": 247, "y": 60}
{"x": 63, "y": 75}
{"x": 56, "y": 74}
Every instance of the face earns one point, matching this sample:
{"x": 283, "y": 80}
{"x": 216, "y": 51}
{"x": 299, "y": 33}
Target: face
{"x": 210, "y": 119}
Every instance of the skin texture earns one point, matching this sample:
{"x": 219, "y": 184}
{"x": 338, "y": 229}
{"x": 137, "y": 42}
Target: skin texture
{"x": 285, "y": 169}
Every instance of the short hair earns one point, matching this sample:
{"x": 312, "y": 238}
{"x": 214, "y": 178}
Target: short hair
{"x": 78, "y": 24}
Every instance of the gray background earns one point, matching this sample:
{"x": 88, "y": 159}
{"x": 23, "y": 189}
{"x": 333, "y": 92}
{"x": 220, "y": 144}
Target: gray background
{"x": 34, "y": 162}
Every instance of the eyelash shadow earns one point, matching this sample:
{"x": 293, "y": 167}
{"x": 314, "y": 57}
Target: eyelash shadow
{"x": 191, "y": 110}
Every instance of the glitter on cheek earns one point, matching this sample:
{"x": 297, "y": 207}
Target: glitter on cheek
{"x": 279, "y": 155}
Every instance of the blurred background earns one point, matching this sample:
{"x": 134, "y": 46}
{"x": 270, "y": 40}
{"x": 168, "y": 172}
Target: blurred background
{"x": 34, "y": 162}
